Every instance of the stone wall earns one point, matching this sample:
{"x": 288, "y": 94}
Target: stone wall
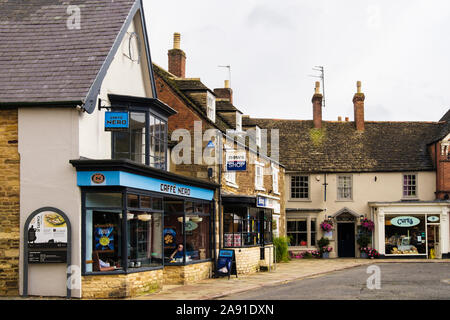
{"x": 9, "y": 203}
{"x": 187, "y": 274}
{"x": 247, "y": 260}
{"x": 121, "y": 285}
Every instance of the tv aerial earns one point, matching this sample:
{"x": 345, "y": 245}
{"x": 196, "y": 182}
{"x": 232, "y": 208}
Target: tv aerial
{"x": 321, "y": 76}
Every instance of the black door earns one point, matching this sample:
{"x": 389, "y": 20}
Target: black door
{"x": 346, "y": 240}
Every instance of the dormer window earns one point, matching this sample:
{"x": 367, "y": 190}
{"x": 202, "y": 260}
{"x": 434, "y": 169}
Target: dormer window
{"x": 211, "y": 107}
{"x": 238, "y": 121}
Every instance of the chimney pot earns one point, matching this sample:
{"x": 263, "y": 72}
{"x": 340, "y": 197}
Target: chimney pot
{"x": 176, "y": 40}
{"x": 339, "y": 118}
{"x": 227, "y": 84}
{"x": 346, "y": 119}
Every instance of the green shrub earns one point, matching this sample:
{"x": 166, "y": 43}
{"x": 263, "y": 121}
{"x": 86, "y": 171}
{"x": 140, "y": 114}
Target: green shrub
{"x": 323, "y": 242}
{"x": 281, "y": 244}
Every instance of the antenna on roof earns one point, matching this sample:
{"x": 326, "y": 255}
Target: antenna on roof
{"x": 322, "y": 77}
{"x": 229, "y": 72}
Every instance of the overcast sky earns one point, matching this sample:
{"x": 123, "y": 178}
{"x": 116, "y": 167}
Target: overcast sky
{"x": 400, "y": 50}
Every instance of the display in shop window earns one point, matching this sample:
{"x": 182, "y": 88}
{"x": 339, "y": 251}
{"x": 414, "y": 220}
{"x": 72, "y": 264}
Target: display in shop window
{"x": 104, "y": 238}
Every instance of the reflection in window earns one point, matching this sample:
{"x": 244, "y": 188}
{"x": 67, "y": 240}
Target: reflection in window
{"x": 298, "y": 232}
{"x": 132, "y": 144}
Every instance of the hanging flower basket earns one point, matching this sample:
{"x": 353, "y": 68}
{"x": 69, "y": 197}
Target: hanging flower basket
{"x": 367, "y": 224}
{"x": 326, "y": 225}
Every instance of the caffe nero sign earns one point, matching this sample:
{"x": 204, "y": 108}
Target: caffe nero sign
{"x": 405, "y": 221}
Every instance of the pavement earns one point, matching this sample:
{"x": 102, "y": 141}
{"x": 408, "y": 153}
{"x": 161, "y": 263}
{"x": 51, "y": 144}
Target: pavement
{"x": 297, "y": 269}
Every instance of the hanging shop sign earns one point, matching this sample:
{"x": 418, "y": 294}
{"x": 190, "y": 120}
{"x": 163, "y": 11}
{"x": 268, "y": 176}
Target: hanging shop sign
{"x": 47, "y": 238}
{"x": 433, "y": 219}
{"x": 405, "y": 221}
{"x": 116, "y": 121}
{"x": 236, "y": 161}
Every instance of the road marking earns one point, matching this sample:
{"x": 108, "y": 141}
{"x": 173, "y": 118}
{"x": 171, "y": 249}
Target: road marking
{"x": 447, "y": 281}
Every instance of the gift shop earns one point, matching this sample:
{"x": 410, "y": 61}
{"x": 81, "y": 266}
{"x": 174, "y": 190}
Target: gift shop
{"x": 412, "y": 230}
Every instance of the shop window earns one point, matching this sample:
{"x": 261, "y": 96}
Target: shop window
{"x": 409, "y": 185}
{"x": 345, "y": 188}
{"x": 298, "y": 232}
{"x": 186, "y": 231}
{"x": 246, "y": 226}
{"x": 111, "y": 230}
{"x": 144, "y": 142}
{"x": 405, "y": 234}
{"x": 299, "y": 187}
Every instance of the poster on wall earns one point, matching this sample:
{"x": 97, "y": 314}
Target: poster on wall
{"x": 47, "y": 238}
{"x": 104, "y": 238}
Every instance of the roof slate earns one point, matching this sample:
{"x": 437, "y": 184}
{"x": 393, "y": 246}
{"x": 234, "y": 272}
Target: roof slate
{"x": 42, "y": 60}
{"x": 338, "y": 147}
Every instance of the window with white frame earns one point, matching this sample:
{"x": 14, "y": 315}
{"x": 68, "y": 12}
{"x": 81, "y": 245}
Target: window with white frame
{"x": 410, "y": 185}
{"x": 301, "y": 231}
{"x": 299, "y": 187}
{"x": 258, "y": 136}
{"x": 259, "y": 175}
{"x": 275, "y": 178}
{"x": 211, "y": 107}
{"x": 344, "y": 187}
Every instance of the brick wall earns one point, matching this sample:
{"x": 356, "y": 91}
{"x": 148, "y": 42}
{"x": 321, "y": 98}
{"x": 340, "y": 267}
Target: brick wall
{"x": 187, "y": 274}
{"x": 9, "y": 203}
{"x": 442, "y": 166}
{"x": 121, "y": 286}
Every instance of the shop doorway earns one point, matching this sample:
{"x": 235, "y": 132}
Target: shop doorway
{"x": 434, "y": 248}
{"x": 346, "y": 240}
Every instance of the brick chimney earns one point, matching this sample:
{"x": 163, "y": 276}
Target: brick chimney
{"x": 317, "y": 107}
{"x": 177, "y": 58}
{"x": 225, "y": 93}
{"x": 358, "y": 107}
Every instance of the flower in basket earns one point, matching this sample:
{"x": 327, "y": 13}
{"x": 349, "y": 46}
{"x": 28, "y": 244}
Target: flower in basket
{"x": 326, "y": 226}
{"x": 367, "y": 224}
{"x": 315, "y": 254}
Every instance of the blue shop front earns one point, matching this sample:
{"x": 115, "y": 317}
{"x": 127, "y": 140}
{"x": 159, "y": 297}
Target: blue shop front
{"x": 140, "y": 219}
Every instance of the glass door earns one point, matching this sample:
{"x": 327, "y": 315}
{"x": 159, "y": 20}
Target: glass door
{"x": 433, "y": 235}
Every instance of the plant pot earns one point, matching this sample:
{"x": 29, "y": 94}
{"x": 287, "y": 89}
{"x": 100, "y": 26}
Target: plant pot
{"x": 325, "y": 255}
{"x": 364, "y": 255}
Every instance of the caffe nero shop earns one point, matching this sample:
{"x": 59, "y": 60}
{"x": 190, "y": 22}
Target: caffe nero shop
{"x": 136, "y": 216}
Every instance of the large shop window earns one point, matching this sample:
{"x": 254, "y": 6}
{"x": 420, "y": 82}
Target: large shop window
{"x": 112, "y": 230}
{"x": 144, "y": 142}
{"x": 245, "y": 226}
{"x": 301, "y": 232}
{"x": 405, "y": 234}
{"x": 187, "y": 233}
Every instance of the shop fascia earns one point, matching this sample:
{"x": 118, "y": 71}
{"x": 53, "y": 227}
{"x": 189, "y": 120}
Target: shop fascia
{"x": 412, "y": 229}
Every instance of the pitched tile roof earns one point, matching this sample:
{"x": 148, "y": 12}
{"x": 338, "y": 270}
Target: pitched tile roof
{"x": 226, "y": 106}
{"x": 338, "y": 147}
{"x": 42, "y": 60}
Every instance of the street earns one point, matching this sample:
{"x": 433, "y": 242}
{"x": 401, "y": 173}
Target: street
{"x": 397, "y": 281}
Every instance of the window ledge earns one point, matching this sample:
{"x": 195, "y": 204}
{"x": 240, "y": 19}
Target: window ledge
{"x": 345, "y": 200}
{"x": 260, "y": 189}
{"x": 299, "y": 200}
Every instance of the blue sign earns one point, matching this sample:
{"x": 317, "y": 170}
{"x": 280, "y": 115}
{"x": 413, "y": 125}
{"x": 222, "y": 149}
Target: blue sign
{"x": 261, "y": 201}
{"x": 210, "y": 144}
{"x": 236, "y": 161}
{"x": 226, "y": 253}
{"x": 126, "y": 179}
{"x": 116, "y": 121}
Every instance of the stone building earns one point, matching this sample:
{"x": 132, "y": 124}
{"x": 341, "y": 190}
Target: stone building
{"x": 251, "y": 201}
{"x": 394, "y": 174}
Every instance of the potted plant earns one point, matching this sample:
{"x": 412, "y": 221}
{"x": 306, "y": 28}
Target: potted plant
{"x": 363, "y": 241}
{"x": 326, "y": 225}
{"x": 324, "y": 248}
{"x": 372, "y": 253}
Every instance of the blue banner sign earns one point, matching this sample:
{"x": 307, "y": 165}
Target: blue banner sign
{"x": 126, "y": 179}
{"x": 116, "y": 121}
{"x": 236, "y": 161}
{"x": 261, "y": 201}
